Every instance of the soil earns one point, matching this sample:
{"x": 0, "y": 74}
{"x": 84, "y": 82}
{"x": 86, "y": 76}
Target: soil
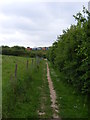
{"x": 52, "y": 95}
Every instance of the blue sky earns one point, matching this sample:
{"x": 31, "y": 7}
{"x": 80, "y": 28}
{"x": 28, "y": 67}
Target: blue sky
{"x": 26, "y": 23}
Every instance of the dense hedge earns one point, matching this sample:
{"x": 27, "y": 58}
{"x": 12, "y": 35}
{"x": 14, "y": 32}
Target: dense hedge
{"x": 69, "y": 54}
{"x": 21, "y": 51}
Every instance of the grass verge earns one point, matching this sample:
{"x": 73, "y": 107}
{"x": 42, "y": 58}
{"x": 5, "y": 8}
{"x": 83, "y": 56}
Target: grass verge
{"x": 71, "y": 103}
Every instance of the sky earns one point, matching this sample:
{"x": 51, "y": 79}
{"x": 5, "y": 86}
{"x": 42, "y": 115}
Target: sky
{"x": 35, "y": 24}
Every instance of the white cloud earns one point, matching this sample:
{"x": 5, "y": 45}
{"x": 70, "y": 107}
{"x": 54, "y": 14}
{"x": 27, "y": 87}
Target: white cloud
{"x": 10, "y": 1}
{"x": 34, "y": 24}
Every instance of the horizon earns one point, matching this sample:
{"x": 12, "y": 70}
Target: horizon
{"x": 25, "y": 47}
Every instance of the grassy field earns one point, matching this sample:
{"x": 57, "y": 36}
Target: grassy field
{"x": 28, "y": 95}
{"x": 71, "y": 103}
{"x": 22, "y": 96}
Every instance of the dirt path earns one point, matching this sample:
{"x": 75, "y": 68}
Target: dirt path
{"x": 52, "y": 95}
{"x": 44, "y": 111}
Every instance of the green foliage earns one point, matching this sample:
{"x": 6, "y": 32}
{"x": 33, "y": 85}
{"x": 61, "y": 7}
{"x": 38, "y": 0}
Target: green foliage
{"x": 15, "y": 51}
{"x": 21, "y": 51}
{"x": 70, "y": 53}
{"x": 72, "y": 105}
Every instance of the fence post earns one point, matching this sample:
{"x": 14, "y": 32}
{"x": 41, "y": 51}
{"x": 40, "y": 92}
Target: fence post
{"x": 37, "y": 62}
{"x": 27, "y": 64}
{"x": 32, "y": 61}
{"x": 15, "y": 70}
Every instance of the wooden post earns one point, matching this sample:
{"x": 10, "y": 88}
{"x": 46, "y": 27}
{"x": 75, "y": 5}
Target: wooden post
{"x": 32, "y": 61}
{"x": 27, "y": 64}
{"x": 15, "y": 70}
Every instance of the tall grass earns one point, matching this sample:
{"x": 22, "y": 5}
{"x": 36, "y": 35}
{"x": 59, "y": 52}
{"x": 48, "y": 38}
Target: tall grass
{"x": 21, "y": 95}
{"x": 71, "y": 103}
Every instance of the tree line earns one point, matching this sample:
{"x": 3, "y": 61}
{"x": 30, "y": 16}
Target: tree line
{"x": 70, "y": 52}
{"x": 21, "y": 51}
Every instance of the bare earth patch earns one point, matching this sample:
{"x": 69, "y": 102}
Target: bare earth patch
{"x": 52, "y": 95}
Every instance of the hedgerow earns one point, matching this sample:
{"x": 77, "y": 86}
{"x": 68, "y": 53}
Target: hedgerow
{"x": 69, "y": 53}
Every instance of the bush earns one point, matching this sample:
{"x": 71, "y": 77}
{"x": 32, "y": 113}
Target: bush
{"x": 69, "y": 54}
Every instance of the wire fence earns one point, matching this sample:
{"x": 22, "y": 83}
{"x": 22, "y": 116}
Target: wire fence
{"x": 34, "y": 64}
